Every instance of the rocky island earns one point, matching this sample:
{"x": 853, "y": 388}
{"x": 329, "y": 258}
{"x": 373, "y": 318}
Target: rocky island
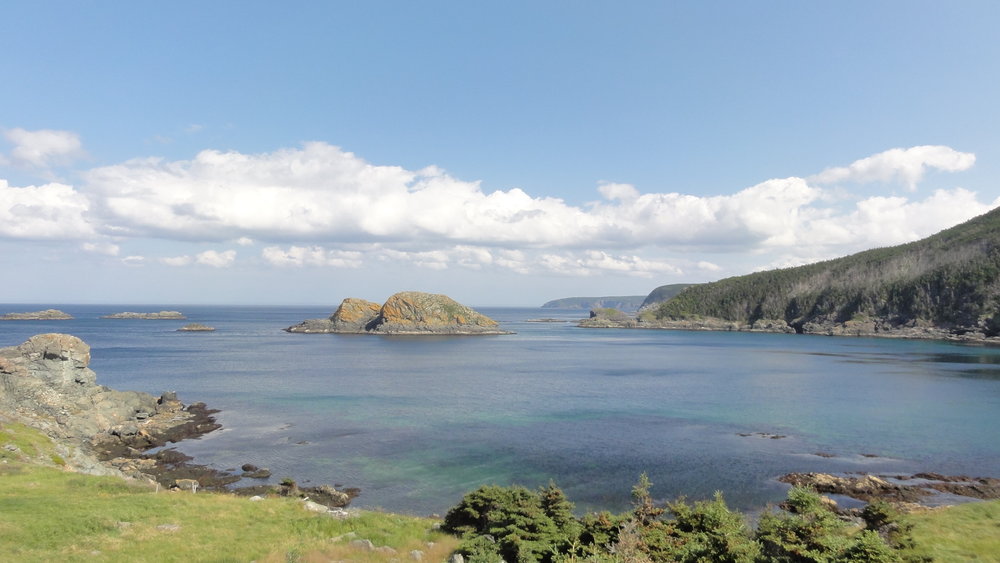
{"x": 162, "y": 315}
{"x": 196, "y": 327}
{"x": 409, "y": 312}
{"x": 46, "y": 315}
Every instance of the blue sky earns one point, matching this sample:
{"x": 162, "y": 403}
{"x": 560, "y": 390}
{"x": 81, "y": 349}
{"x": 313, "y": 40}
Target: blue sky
{"x": 502, "y": 153}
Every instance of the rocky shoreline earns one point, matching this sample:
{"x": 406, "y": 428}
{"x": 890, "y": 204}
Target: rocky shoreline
{"x": 910, "y": 492}
{"x": 45, "y": 383}
{"x": 865, "y": 328}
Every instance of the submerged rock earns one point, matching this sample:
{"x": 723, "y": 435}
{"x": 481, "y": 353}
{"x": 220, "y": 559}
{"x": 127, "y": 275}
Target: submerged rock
{"x": 410, "y": 312}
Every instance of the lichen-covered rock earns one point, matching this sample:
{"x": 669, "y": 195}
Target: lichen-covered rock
{"x": 416, "y": 312}
{"x": 354, "y": 314}
{"x": 409, "y": 312}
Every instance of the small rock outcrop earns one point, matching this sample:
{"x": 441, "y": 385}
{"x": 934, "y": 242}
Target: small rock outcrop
{"x": 46, "y": 383}
{"x": 898, "y": 488}
{"x": 607, "y": 318}
{"x": 162, "y": 315}
{"x": 409, "y": 312}
{"x": 46, "y": 315}
{"x": 196, "y": 327}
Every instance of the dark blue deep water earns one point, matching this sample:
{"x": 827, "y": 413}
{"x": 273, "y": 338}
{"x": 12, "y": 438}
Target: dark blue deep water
{"x": 417, "y": 421}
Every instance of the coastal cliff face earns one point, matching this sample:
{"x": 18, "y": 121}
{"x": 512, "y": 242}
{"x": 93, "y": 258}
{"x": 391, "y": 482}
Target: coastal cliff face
{"x": 46, "y": 383}
{"x": 409, "y": 312}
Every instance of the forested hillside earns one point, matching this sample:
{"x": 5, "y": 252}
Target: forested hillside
{"x": 663, "y": 293}
{"x": 948, "y": 281}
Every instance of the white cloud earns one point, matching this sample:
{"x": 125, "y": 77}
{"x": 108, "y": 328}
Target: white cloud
{"x": 906, "y": 165}
{"x": 320, "y": 206}
{"x": 311, "y": 256}
{"x": 594, "y": 262}
{"x": 134, "y": 260}
{"x": 215, "y": 258}
{"x": 50, "y": 211}
{"x": 176, "y": 261}
{"x": 43, "y": 148}
{"x": 106, "y": 248}
{"x": 612, "y": 191}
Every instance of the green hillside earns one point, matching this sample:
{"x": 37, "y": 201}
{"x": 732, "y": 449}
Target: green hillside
{"x": 949, "y": 281}
{"x": 620, "y": 302}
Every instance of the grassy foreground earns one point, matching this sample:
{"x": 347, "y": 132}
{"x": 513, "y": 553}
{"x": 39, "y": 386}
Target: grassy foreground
{"x": 50, "y": 514}
{"x": 47, "y": 514}
{"x": 967, "y": 532}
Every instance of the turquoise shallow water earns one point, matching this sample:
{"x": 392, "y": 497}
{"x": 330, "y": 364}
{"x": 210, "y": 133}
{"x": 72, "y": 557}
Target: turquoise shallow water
{"x": 416, "y": 421}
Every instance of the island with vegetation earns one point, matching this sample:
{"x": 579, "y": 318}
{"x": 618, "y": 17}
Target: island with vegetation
{"x": 945, "y": 286}
{"x": 161, "y": 315}
{"x": 46, "y": 315}
{"x": 408, "y": 312}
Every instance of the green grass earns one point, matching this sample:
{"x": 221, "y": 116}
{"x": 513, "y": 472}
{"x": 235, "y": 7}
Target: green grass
{"x": 966, "y": 532}
{"x": 47, "y": 514}
{"x": 50, "y": 514}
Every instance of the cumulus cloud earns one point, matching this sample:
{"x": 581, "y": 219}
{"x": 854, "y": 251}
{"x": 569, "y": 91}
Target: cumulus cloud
{"x": 215, "y": 258}
{"x": 906, "y": 165}
{"x": 176, "y": 261}
{"x": 107, "y": 248}
{"x": 50, "y": 211}
{"x": 323, "y": 194}
{"x": 311, "y": 256}
{"x": 593, "y": 262}
{"x": 317, "y": 205}
{"x": 43, "y": 148}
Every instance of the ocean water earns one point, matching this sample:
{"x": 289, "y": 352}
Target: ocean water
{"x": 415, "y": 422}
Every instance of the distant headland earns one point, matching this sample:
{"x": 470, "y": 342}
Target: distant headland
{"x": 946, "y": 286}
